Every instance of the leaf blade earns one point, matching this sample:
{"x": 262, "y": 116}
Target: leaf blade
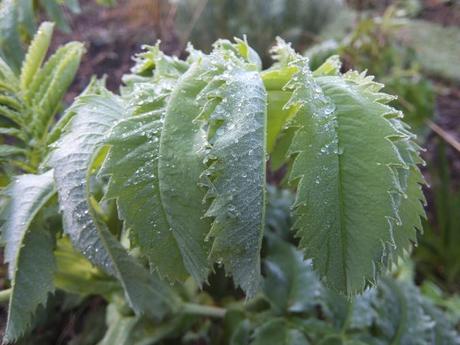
{"x": 181, "y": 164}
{"x": 35, "y": 54}
{"x": 236, "y": 174}
{"x": 28, "y": 250}
{"x": 346, "y": 167}
{"x": 85, "y": 134}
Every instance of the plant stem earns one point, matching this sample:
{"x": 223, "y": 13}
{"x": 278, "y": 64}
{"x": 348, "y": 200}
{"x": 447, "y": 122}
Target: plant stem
{"x": 203, "y": 310}
{"x": 5, "y": 295}
{"x": 444, "y": 135}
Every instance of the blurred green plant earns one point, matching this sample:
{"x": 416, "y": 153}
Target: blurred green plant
{"x": 204, "y": 21}
{"x": 437, "y": 47}
{"x": 438, "y": 255}
{"x": 18, "y": 23}
{"x": 30, "y": 100}
{"x": 295, "y": 308}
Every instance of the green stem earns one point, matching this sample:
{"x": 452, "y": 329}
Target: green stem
{"x": 203, "y": 310}
{"x": 5, "y": 295}
{"x": 24, "y": 166}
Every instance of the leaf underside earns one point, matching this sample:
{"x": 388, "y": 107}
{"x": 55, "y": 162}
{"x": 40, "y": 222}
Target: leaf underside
{"x": 84, "y": 136}
{"x": 180, "y": 165}
{"x": 28, "y": 250}
{"x": 134, "y": 170}
{"x": 235, "y": 114}
{"x": 132, "y": 164}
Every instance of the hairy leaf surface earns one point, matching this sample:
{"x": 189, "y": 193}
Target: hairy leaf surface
{"x": 132, "y": 164}
{"x": 36, "y": 54}
{"x": 72, "y": 161}
{"x": 49, "y": 85}
{"x": 236, "y": 173}
{"x": 290, "y": 283}
{"x": 347, "y": 165}
{"x": 401, "y": 317}
{"x": 32, "y": 282}
{"x": 28, "y": 250}
{"x": 26, "y": 196}
{"x": 180, "y": 165}
{"x": 10, "y": 42}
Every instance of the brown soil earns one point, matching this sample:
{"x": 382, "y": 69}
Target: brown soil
{"x": 112, "y": 35}
{"x": 442, "y": 12}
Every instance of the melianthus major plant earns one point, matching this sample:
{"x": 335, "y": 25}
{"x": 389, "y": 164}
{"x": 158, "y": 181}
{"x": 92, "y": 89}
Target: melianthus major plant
{"x": 168, "y": 178}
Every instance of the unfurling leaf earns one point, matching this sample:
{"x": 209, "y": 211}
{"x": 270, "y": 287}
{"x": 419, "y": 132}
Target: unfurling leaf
{"x": 72, "y": 160}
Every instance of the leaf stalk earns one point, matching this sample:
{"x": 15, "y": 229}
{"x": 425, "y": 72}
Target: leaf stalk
{"x": 203, "y": 310}
{"x": 5, "y": 295}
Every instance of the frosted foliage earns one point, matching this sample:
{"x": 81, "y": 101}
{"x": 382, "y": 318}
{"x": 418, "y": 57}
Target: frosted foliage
{"x": 351, "y": 154}
{"x": 27, "y": 194}
{"x": 71, "y": 160}
{"x": 237, "y": 158}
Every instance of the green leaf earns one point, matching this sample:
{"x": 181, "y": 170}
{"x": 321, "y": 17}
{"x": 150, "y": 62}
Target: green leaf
{"x": 10, "y": 42}
{"x": 236, "y": 114}
{"x": 36, "y": 54}
{"x": 278, "y": 115}
{"x": 132, "y": 330}
{"x": 51, "y": 83}
{"x": 95, "y": 87}
{"x": 27, "y": 194}
{"x": 331, "y": 66}
{"x": 53, "y": 10}
{"x": 32, "y": 282}
{"x": 8, "y": 79}
{"x": 76, "y": 275}
{"x": 132, "y": 162}
{"x": 411, "y": 212}
{"x": 12, "y": 115}
{"x": 290, "y": 283}
{"x": 28, "y": 250}
{"x": 14, "y": 132}
{"x": 133, "y": 166}
{"x": 10, "y": 101}
{"x": 278, "y": 214}
{"x": 444, "y": 329}
{"x": 276, "y": 332}
{"x": 9, "y": 150}
{"x": 72, "y": 160}
{"x": 352, "y": 154}
{"x": 401, "y": 317}
{"x": 26, "y": 18}
{"x": 154, "y": 66}
{"x": 240, "y": 336}
{"x": 180, "y": 165}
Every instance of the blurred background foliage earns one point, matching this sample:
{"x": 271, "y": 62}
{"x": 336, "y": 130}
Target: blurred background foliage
{"x": 412, "y": 46}
{"x": 297, "y": 21}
